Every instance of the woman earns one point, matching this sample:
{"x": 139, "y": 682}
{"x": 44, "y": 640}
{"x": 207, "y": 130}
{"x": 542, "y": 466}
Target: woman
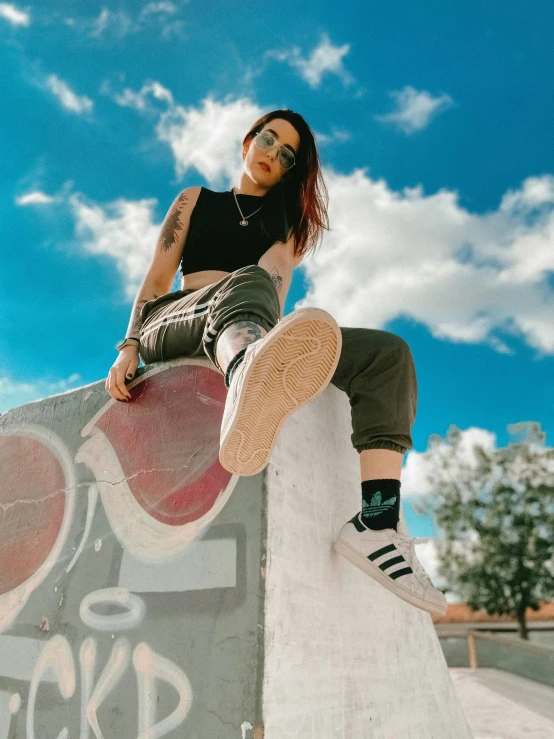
{"x": 237, "y": 250}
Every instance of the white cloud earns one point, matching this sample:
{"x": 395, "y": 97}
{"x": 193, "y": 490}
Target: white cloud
{"x": 69, "y": 99}
{"x": 337, "y": 135}
{"x": 9, "y": 387}
{"x": 119, "y": 23}
{"x": 140, "y": 100}
{"x": 463, "y": 275}
{"x": 208, "y": 138}
{"x": 417, "y": 466}
{"x": 14, "y": 393}
{"x": 123, "y": 230}
{"x": 13, "y": 15}
{"x": 324, "y": 59}
{"x": 36, "y": 197}
{"x": 161, "y": 8}
{"x": 536, "y": 191}
{"x": 415, "y": 109}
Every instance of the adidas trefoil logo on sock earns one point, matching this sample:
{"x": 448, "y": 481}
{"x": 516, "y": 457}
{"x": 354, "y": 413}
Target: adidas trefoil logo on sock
{"x": 376, "y": 506}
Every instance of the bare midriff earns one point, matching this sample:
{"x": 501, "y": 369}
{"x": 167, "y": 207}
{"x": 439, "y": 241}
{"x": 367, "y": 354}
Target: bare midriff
{"x": 197, "y": 280}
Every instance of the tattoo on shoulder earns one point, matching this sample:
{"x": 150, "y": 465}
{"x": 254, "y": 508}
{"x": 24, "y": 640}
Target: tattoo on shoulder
{"x": 172, "y": 224}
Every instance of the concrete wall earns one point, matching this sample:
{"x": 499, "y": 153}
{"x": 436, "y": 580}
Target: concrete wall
{"x": 344, "y": 658}
{"x": 131, "y": 594}
{"x": 139, "y": 598}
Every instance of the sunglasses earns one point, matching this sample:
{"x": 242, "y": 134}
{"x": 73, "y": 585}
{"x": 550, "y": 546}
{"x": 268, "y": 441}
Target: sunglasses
{"x": 264, "y": 141}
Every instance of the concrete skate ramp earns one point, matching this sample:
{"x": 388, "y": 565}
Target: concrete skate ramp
{"x": 344, "y": 657}
{"x": 146, "y": 592}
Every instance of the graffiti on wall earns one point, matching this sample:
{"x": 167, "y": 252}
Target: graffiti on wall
{"x": 139, "y": 486}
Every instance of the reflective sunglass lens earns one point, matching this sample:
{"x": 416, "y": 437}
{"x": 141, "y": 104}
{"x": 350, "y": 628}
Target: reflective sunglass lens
{"x": 265, "y": 141}
{"x": 285, "y": 159}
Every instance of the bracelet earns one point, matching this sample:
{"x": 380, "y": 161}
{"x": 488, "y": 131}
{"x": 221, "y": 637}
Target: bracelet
{"x": 131, "y": 341}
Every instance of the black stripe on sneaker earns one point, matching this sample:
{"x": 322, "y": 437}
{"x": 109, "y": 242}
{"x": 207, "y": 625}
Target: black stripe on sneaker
{"x": 398, "y": 573}
{"x": 384, "y": 550}
{"x": 359, "y": 526}
{"x": 390, "y": 562}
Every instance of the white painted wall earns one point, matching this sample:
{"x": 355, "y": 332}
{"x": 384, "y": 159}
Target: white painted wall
{"x": 344, "y": 657}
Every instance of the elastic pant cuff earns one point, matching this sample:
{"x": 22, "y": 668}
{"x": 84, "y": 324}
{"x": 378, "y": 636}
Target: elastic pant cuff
{"x": 381, "y": 445}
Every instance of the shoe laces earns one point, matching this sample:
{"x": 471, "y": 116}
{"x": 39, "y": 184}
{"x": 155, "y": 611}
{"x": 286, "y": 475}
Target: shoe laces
{"x": 415, "y": 564}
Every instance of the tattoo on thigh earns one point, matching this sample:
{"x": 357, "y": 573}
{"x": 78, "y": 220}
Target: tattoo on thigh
{"x": 172, "y": 224}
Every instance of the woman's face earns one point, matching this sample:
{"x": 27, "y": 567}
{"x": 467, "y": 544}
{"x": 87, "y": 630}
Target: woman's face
{"x": 262, "y": 166}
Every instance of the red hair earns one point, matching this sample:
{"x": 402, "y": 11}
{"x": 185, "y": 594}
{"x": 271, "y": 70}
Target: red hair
{"x": 300, "y": 198}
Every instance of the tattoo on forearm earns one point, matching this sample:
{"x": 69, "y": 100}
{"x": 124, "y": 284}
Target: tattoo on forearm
{"x": 172, "y": 224}
{"x": 136, "y": 321}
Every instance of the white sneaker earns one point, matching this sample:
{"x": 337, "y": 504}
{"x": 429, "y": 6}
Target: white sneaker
{"x": 389, "y": 557}
{"x": 286, "y": 368}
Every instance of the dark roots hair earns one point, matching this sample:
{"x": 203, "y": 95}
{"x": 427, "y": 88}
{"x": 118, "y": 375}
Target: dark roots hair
{"x": 297, "y": 204}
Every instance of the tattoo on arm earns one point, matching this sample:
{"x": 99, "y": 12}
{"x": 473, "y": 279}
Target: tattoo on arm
{"x": 172, "y": 223}
{"x": 276, "y": 279}
{"x": 136, "y": 321}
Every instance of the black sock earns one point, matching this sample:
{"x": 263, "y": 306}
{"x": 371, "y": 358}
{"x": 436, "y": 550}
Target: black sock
{"x": 381, "y": 503}
{"x": 233, "y": 364}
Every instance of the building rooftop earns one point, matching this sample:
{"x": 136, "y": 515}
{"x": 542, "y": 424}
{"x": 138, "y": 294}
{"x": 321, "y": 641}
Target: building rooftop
{"x": 461, "y": 613}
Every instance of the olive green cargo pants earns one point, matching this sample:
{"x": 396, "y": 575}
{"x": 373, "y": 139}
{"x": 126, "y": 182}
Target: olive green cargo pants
{"x": 376, "y": 368}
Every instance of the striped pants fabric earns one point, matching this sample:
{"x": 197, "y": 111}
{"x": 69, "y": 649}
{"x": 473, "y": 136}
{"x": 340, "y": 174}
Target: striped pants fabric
{"x": 375, "y": 369}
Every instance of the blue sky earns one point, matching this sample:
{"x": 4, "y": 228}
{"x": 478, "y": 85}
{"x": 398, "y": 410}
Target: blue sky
{"x": 434, "y": 122}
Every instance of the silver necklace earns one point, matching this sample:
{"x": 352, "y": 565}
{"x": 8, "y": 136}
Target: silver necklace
{"x": 244, "y": 222}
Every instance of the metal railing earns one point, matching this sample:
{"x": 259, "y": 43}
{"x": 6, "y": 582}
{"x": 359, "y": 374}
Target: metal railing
{"x": 477, "y": 649}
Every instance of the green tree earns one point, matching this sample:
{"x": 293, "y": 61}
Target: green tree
{"x": 494, "y": 513}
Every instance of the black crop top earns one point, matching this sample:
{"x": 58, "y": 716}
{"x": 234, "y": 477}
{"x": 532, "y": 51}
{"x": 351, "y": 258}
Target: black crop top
{"x": 216, "y": 240}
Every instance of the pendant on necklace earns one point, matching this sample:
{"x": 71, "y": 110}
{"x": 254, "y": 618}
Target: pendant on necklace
{"x": 243, "y": 223}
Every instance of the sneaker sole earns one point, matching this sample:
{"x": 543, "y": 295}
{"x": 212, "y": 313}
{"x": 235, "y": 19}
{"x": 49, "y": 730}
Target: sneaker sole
{"x": 370, "y": 569}
{"x": 296, "y": 364}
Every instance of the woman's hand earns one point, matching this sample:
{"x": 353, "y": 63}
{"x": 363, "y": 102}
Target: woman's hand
{"x": 123, "y": 368}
